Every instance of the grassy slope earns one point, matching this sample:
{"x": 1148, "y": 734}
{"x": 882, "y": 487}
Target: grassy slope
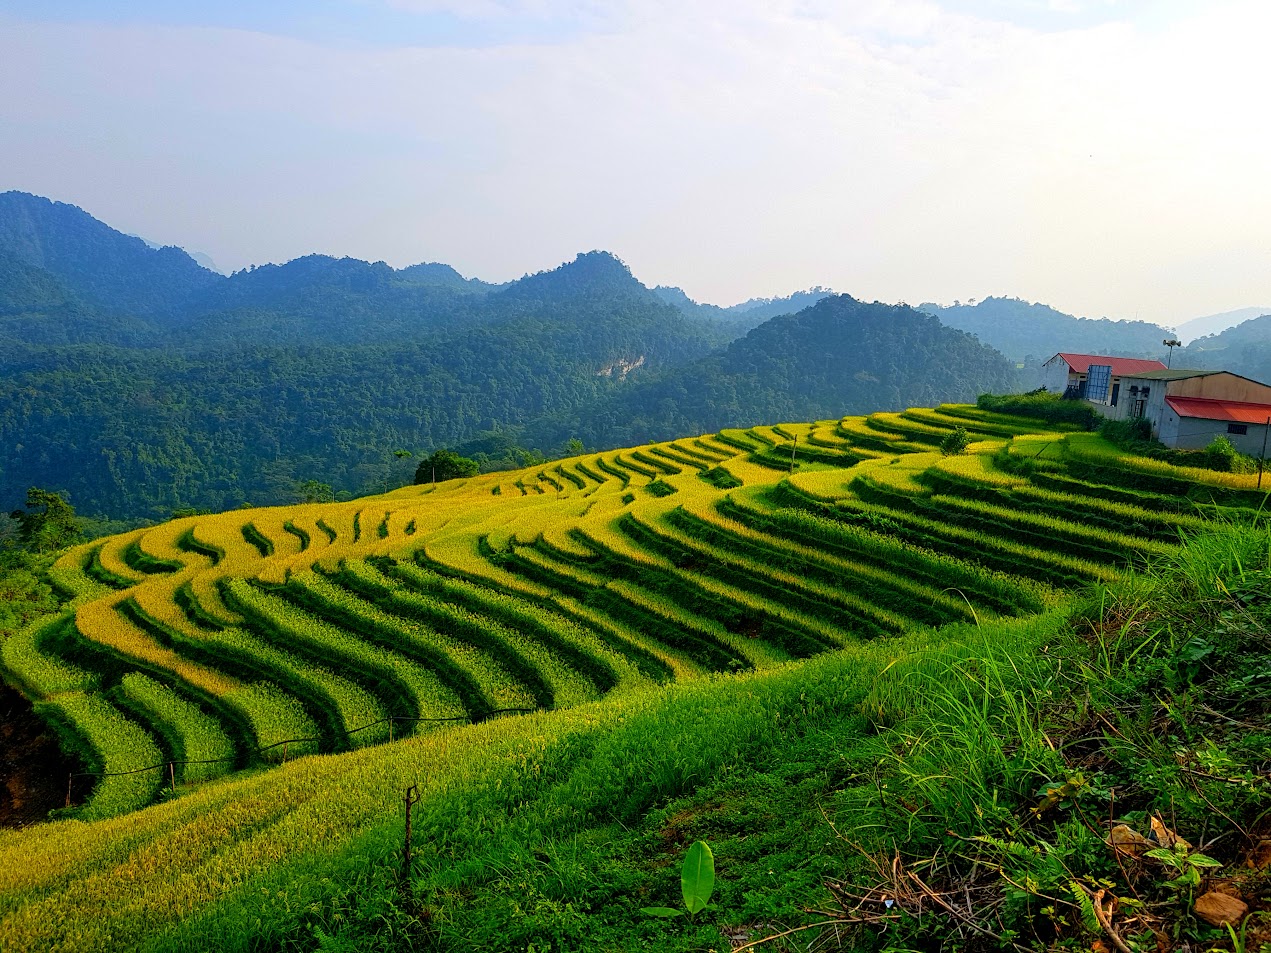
{"x": 550, "y": 831}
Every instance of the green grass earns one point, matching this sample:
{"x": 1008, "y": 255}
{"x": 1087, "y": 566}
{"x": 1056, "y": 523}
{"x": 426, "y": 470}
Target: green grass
{"x": 192, "y": 735}
{"x": 701, "y": 648}
{"x": 108, "y": 743}
{"x": 474, "y": 677}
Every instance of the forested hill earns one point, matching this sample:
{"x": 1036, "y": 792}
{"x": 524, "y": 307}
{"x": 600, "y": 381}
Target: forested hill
{"x": 102, "y": 266}
{"x": 1024, "y": 331}
{"x": 138, "y": 432}
{"x": 840, "y": 356}
{"x": 749, "y": 314}
{"x": 1244, "y": 349}
{"x": 138, "y": 382}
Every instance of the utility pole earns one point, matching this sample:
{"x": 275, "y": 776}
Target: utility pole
{"x": 793, "y": 445}
{"x": 1171, "y": 343}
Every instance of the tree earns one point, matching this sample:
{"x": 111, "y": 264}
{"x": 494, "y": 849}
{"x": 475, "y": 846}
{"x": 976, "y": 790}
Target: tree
{"x": 314, "y": 491}
{"x": 48, "y": 523}
{"x": 955, "y": 442}
{"x": 445, "y": 465}
{"x": 399, "y": 455}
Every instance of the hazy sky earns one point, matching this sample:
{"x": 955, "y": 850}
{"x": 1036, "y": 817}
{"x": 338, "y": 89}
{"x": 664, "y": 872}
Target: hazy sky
{"x": 1109, "y": 157}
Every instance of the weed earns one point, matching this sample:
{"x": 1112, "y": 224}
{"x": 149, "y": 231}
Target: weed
{"x": 697, "y": 883}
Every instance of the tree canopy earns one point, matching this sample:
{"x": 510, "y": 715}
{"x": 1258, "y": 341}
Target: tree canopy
{"x": 445, "y": 465}
{"x": 48, "y": 523}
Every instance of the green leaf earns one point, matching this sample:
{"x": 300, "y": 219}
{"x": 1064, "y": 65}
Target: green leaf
{"x": 697, "y": 879}
{"x": 1203, "y": 860}
{"x": 662, "y": 911}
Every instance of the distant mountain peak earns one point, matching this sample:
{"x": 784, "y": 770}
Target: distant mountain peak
{"x": 600, "y": 267}
{"x": 1211, "y": 325}
{"x": 589, "y": 272}
{"x": 96, "y": 262}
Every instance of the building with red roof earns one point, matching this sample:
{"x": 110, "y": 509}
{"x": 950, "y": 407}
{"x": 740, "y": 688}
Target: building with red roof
{"x": 1069, "y": 374}
{"x": 1187, "y": 409}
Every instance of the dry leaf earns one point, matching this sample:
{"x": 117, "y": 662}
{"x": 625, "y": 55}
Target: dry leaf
{"x": 1166, "y": 837}
{"x": 1218, "y": 909}
{"x": 1260, "y": 859}
{"x": 1126, "y": 840}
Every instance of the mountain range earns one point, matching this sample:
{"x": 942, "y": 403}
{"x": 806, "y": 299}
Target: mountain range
{"x": 139, "y": 382}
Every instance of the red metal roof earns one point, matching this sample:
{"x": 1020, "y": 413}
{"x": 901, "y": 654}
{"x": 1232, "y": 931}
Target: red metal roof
{"x": 1206, "y": 408}
{"x": 1120, "y": 365}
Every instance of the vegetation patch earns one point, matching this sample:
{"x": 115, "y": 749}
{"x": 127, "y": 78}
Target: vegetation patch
{"x": 963, "y": 701}
{"x": 1042, "y": 405}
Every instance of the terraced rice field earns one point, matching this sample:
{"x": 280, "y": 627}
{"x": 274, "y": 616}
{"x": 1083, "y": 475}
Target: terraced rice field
{"x": 214, "y": 644}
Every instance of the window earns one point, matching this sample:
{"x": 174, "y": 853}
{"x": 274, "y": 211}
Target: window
{"x": 1098, "y": 383}
{"x": 1240, "y": 429}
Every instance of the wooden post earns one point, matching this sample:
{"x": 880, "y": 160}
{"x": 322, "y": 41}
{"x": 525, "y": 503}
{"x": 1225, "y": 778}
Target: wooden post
{"x": 172, "y": 775}
{"x": 411, "y": 799}
{"x": 284, "y": 751}
{"x": 70, "y": 779}
{"x": 390, "y": 729}
{"x": 793, "y": 444}
{"x": 1264, "y": 451}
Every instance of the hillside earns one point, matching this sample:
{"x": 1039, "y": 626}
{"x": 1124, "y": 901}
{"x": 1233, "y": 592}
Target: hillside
{"x": 840, "y": 356}
{"x": 1244, "y": 349}
{"x": 1215, "y": 324}
{"x": 1033, "y": 333}
{"x": 96, "y": 262}
{"x": 140, "y": 384}
{"x": 867, "y": 593}
{"x": 746, "y": 315}
{"x": 315, "y": 388}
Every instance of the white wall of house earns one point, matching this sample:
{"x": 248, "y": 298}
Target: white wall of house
{"x": 1196, "y": 433}
{"x": 1252, "y": 442}
{"x": 1119, "y": 390}
{"x": 1055, "y": 375}
{"x": 1124, "y": 407}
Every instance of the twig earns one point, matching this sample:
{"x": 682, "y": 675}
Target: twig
{"x": 958, "y": 915}
{"x": 1217, "y": 714}
{"x": 1104, "y": 918}
{"x": 778, "y": 936}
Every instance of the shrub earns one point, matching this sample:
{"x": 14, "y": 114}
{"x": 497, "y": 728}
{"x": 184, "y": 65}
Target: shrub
{"x": 955, "y": 442}
{"x": 1044, "y": 405}
{"x": 1133, "y": 435}
{"x": 1219, "y": 455}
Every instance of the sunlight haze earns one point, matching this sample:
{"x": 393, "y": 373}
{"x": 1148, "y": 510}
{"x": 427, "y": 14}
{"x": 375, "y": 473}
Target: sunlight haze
{"x": 1107, "y": 158}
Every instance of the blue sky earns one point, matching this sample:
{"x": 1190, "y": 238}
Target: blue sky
{"x": 1103, "y": 156}
{"x": 372, "y": 23}
{"x": 494, "y": 22}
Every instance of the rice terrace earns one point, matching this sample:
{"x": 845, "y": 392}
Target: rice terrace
{"x": 898, "y": 671}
